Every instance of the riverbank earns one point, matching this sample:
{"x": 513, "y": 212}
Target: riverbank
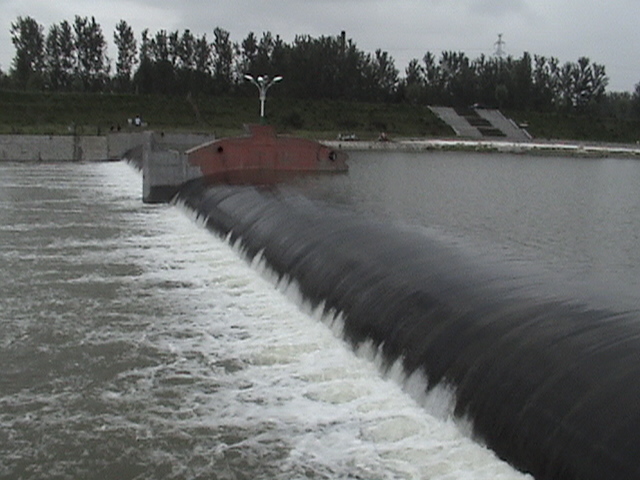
{"x": 542, "y": 147}
{"x": 65, "y": 148}
{"x": 40, "y": 113}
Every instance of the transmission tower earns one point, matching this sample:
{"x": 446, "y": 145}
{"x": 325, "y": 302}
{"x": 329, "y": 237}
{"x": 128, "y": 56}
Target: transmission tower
{"x": 500, "y": 47}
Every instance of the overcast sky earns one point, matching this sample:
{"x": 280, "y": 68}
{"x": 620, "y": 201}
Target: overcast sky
{"x": 606, "y": 32}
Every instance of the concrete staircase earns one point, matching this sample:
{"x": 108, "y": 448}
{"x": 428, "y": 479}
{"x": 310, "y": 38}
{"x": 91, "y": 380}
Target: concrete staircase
{"x": 481, "y": 123}
{"x": 459, "y": 124}
{"x": 507, "y": 126}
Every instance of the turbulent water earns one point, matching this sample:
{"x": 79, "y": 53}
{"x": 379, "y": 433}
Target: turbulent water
{"x": 135, "y": 344}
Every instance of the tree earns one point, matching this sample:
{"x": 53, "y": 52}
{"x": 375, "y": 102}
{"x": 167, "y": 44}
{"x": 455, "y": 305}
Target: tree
{"x": 74, "y": 56}
{"x": 565, "y": 87}
{"x": 173, "y": 45}
{"x": 60, "y": 57}
{"x": 280, "y": 60}
{"x": 248, "y": 53}
{"x": 186, "y": 51}
{"x": 413, "y": 83}
{"x": 325, "y": 67}
{"x": 384, "y": 76}
{"x": 161, "y": 67}
{"x": 581, "y": 85}
{"x": 28, "y": 38}
{"x": 502, "y": 94}
{"x": 303, "y": 81}
{"x": 456, "y": 78}
{"x": 599, "y": 82}
{"x": 617, "y": 105}
{"x": 145, "y": 46}
{"x": 262, "y": 63}
{"x": 91, "y": 52}
{"x": 143, "y": 78}
{"x": 125, "y": 42}
{"x": 414, "y": 73}
{"x": 522, "y": 82}
{"x": 222, "y": 60}
{"x": 159, "y": 47}
{"x": 185, "y": 61}
{"x": 3, "y": 79}
{"x": 582, "y": 82}
{"x": 432, "y": 79}
{"x": 351, "y": 74}
{"x": 544, "y": 89}
{"x": 487, "y": 76}
{"x": 203, "y": 62}
{"x": 635, "y": 101}
{"x": 202, "y": 56}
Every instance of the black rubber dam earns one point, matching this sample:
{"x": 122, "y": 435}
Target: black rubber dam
{"x": 551, "y": 384}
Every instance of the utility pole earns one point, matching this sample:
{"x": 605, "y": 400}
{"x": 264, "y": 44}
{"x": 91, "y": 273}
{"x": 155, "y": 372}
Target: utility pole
{"x": 500, "y": 53}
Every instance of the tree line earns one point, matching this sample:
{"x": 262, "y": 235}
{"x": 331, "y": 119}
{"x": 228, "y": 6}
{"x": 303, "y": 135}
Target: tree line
{"x": 72, "y": 56}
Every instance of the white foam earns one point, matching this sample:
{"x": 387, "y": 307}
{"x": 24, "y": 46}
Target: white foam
{"x": 347, "y": 411}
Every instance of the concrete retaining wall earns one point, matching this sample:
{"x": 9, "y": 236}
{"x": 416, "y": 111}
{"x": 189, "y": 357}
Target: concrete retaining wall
{"x": 161, "y": 157}
{"x": 165, "y": 166}
{"x": 69, "y": 148}
{"x": 52, "y": 148}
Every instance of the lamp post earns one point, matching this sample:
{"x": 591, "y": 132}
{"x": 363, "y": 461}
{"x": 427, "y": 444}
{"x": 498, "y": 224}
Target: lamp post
{"x": 263, "y": 83}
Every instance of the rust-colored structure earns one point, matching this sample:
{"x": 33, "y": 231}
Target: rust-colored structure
{"x": 264, "y": 151}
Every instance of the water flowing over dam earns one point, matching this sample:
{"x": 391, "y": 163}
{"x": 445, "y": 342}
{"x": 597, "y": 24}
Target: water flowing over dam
{"x": 549, "y": 381}
{"x": 426, "y": 315}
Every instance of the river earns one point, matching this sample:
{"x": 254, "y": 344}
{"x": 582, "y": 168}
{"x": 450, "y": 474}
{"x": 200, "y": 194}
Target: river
{"x": 137, "y": 344}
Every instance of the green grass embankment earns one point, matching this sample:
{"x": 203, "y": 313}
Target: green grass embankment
{"x": 588, "y": 128}
{"x": 91, "y": 114}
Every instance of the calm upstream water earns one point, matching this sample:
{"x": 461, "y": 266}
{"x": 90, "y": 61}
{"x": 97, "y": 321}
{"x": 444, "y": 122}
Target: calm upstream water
{"x": 135, "y": 344}
{"x": 578, "y": 218}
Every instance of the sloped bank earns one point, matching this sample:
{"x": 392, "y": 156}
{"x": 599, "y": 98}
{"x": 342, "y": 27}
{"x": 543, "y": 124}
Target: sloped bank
{"x": 67, "y": 148}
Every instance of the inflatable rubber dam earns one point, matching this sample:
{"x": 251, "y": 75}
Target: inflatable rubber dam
{"x": 551, "y": 384}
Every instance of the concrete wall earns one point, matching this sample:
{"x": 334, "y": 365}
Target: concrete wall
{"x": 164, "y": 162}
{"x": 90, "y": 149}
{"x": 52, "y": 148}
{"x": 165, "y": 166}
{"x": 120, "y": 143}
{"x": 68, "y": 148}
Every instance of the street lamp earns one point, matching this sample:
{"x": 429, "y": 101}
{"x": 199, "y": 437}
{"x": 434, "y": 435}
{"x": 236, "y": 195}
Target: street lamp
{"x": 263, "y": 83}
